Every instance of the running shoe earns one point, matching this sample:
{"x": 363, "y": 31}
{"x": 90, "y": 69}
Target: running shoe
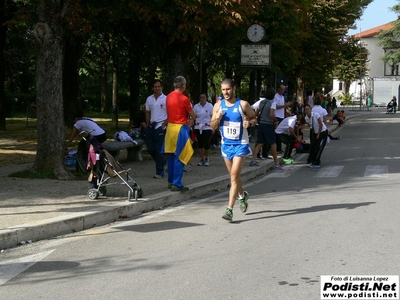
{"x": 187, "y": 168}
{"x": 158, "y": 176}
{"x": 278, "y": 167}
{"x": 206, "y": 162}
{"x": 201, "y": 163}
{"x": 287, "y": 161}
{"x": 254, "y": 164}
{"x": 312, "y": 166}
{"x": 243, "y": 202}
{"x": 228, "y": 214}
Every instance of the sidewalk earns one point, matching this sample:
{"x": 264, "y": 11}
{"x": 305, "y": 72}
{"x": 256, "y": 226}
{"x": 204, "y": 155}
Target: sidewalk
{"x": 35, "y": 209}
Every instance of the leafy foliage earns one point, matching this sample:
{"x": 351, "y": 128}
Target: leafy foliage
{"x": 346, "y": 98}
{"x": 118, "y": 47}
{"x": 351, "y": 61}
{"x": 390, "y": 40}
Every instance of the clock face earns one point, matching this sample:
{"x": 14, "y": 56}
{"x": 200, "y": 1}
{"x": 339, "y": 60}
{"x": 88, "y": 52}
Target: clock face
{"x": 255, "y": 33}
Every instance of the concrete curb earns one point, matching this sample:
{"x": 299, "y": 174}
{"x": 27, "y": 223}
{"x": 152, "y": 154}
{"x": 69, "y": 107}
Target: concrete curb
{"x": 17, "y": 235}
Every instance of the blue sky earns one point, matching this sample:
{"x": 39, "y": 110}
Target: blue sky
{"x": 377, "y": 13}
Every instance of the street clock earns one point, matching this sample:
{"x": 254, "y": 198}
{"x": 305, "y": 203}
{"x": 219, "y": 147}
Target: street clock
{"x": 255, "y": 33}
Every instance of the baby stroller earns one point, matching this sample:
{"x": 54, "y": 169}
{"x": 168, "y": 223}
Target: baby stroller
{"x": 103, "y": 169}
{"x": 389, "y": 108}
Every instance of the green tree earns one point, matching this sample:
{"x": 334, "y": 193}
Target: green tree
{"x": 350, "y": 62}
{"x": 141, "y": 40}
{"x": 389, "y": 40}
{"x": 322, "y": 45}
{"x": 3, "y": 36}
{"x": 49, "y": 33}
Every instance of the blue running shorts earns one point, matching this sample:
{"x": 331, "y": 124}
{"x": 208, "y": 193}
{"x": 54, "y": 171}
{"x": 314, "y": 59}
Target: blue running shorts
{"x": 230, "y": 151}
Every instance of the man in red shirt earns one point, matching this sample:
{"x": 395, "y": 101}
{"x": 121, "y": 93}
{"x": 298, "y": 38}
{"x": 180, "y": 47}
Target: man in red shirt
{"x": 178, "y": 145}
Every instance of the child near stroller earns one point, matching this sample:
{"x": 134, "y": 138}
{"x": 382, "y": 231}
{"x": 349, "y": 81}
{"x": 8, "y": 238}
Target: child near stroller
{"x": 91, "y": 156}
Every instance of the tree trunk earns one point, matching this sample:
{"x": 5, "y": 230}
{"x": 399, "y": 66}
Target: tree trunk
{"x": 134, "y": 84}
{"x": 213, "y": 91}
{"x": 103, "y": 78}
{"x": 136, "y": 46}
{"x": 49, "y": 77}
{"x": 134, "y": 81}
{"x": 3, "y": 37}
{"x": 300, "y": 90}
{"x": 115, "y": 93}
{"x": 175, "y": 64}
{"x": 346, "y": 84}
{"x": 70, "y": 79}
{"x": 115, "y": 69}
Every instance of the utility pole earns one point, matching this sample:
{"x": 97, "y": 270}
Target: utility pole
{"x": 360, "y": 68}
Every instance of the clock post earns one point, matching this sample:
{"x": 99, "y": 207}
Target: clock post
{"x": 255, "y": 33}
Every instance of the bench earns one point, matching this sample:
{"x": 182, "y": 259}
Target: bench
{"x": 134, "y": 149}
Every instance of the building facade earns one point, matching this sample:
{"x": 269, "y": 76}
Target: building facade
{"x": 382, "y": 81}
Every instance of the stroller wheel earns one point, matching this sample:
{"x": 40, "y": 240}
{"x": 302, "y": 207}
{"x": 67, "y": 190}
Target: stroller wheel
{"x": 93, "y": 194}
{"x": 140, "y": 192}
{"x": 130, "y": 196}
{"x": 103, "y": 191}
{"x": 133, "y": 196}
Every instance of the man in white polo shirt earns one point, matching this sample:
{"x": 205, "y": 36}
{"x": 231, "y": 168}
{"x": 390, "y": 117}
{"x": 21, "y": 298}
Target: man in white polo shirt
{"x": 281, "y": 106}
{"x": 156, "y": 121}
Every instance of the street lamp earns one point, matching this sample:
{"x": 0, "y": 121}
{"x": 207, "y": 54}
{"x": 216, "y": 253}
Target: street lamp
{"x": 359, "y": 22}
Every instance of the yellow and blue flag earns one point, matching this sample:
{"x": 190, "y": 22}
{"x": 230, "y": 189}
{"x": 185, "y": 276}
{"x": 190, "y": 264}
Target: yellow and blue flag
{"x": 178, "y": 141}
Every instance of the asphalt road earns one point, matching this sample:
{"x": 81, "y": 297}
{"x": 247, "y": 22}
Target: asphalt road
{"x": 342, "y": 219}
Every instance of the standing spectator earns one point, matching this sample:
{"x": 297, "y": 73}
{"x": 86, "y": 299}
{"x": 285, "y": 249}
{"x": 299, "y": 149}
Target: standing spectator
{"x": 317, "y": 108}
{"x": 334, "y": 104}
{"x": 202, "y": 128}
{"x": 320, "y": 132}
{"x": 256, "y": 104}
{"x": 178, "y": 144}
{"x": 310, "y": 100}
{"x": 156, "y": 121}
{"x": 266, "y": 128}
{"x": 299, "y": 108}
{"x": 330, "y": 104}
{"x": 286, "y": 132}
{"x": 281, "y": 107}
{"x": 262, "y": 152}
{"x": 233, "y": 116}
{"x": 394, "y": 104}
{"x": 325, "y": 104}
